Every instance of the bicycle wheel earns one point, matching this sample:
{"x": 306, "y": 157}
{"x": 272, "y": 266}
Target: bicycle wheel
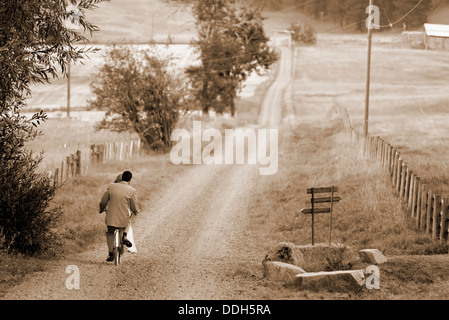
{"x": 117, "y": 247}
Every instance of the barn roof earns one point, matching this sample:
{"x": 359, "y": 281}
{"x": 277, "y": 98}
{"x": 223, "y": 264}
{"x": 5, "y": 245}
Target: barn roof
{"x": 437, "y": 30}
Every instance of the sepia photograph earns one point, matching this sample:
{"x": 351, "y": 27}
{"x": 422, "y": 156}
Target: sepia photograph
{"x": 224, "y": 158}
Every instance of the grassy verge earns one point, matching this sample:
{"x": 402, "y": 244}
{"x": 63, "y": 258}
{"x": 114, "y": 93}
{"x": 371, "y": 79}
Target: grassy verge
{"x": 369, "y": 216}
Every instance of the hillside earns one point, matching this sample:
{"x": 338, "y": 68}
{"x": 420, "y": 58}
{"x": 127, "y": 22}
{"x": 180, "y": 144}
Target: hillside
{"x": 139, "y": 21}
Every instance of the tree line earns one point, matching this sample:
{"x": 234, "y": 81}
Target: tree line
{"x": 346, "y": 12}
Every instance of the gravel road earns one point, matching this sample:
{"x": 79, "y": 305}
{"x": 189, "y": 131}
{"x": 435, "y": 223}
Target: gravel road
{"x": 191, "y": 241}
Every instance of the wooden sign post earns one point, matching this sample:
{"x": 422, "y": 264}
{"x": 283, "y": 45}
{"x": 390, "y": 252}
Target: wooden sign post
{"x": 332, "y": 199}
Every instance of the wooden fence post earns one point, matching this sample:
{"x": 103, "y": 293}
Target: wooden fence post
{"x": 62, "y": 171}
{"x": 410, "y": 188}
{"x": 408, "y": 175}
{"x": 416, "y": 203}
{"x": 444, "y": 216}
{"x": 393, "y": 177}
{"x": 436, "y": 217}
{"x": 56, "y": 178}
{"x": 398, "y": 176}
{"x": 78, "y": 162}
{"x": 67, "y": 171}
{"x": 423, "y": 207}
{"x": 389, "y": 159}
{"x": 402, "y": 184}
{"x": 419, "y": 204}
{"x": 429, "y": 211}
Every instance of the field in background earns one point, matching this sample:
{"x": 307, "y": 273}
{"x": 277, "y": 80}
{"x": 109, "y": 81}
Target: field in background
{"x": 62, "y": 137}
{"x": 408, "y": 101}
{"x": 54, "y": 96}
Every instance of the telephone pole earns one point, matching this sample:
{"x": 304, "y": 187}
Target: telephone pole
{"x": 68, "y": 87}
{"x": 368, "y": 76}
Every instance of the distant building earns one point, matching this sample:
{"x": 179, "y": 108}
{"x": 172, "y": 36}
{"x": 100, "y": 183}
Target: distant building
{"x": 436, "y": 36}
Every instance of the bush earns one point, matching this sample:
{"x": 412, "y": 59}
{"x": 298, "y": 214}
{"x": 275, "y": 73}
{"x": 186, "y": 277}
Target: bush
{"x": 303, "y": 33}
{"x": 141, "y": 94}
{"x": 26, "y": 219}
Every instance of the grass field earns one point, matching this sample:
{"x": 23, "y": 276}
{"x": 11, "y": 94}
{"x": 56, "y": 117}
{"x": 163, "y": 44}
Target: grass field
{"x": 408, "y": 98}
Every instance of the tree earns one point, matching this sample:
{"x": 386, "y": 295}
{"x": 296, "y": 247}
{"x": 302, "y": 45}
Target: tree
{"x": 413, "y": 18}
{"x": 34, "y": 42}
{"x": 140, "y": 94}
{"x": 337, "y": 11}
{"x": 231, "y": 45}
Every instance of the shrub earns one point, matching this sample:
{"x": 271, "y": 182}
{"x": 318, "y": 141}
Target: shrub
{"x": 303, "y": 33}
{"x": 141, "y": 94}
{"x": 26, "y": 219}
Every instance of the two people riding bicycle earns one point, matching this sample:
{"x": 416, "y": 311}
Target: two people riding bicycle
{"x": 120, "y": 203}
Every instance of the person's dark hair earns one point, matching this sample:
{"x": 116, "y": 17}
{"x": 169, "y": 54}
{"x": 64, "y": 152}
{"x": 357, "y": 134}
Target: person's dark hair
{"x": 127, "y": 176}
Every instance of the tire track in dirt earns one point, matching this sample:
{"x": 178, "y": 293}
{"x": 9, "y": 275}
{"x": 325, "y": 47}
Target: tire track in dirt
{"x": 189, "y": 252}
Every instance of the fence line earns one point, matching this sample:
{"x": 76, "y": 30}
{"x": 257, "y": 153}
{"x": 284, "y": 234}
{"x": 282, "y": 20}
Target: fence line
{"x": 428, "y": 209}
{"x": 98, "y": 153}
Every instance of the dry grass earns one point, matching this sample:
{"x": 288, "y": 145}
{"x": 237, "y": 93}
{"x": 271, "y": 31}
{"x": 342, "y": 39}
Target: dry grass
{"x": 408, "y": 101}
{"x": 369, "y": 215}
{"x": 81, "y": 225}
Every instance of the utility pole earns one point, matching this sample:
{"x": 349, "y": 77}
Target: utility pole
{"x": 68, "y": 87}
{"x": 368, "y": 75}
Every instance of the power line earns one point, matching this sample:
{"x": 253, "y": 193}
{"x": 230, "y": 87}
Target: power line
{"x": 295, "y": 7}
{"x": 403, "y": 17}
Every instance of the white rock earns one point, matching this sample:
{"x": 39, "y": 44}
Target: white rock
{"x": 372, "y": 256}
{"x": 280, "y": 271}
{"x": 336, "y": 281}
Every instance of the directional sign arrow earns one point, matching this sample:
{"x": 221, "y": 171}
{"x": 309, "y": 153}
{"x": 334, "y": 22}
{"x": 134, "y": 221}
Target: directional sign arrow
{"x": 315, "y": 211}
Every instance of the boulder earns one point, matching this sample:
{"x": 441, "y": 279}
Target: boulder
{"x": 314, "y": 258}
{"x": 372, "y": 256}
{"x": 282, "y": 272}
{"x": 335, "y": 281}
{"x": 327, "y": 257}
{"x": 286, "y": 252}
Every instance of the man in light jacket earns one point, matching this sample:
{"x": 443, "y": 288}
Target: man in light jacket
{"x": 121, "y": 202}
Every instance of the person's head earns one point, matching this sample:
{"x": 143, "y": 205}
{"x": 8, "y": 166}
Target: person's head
{"x": 127, "y": 176}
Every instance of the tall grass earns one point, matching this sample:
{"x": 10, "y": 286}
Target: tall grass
{"x": 369, "y": 215}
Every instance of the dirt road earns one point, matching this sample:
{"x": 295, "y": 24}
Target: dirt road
{"x": 271, "y": 113}
{"x": 192, "y": 242}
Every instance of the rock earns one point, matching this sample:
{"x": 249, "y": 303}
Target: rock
{"x": 319, "y": 257}
{"x": 335, "y": 281}
{"x": 372, "y": 256}
{"x": 286, "y": 252}
{"x": 282, "y": 272}
{"x": 326, "y": 257}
